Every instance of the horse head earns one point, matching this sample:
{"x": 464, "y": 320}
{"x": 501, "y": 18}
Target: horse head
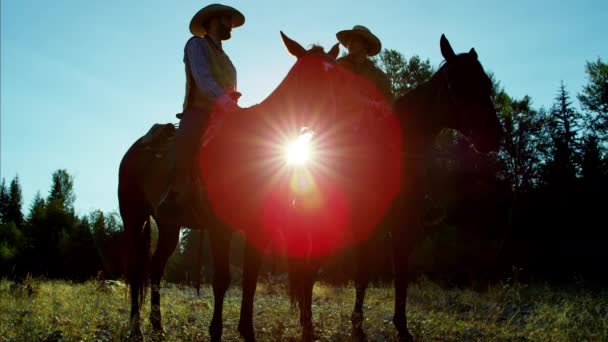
{"x": 309, "y": 93}
{"x": 299, "y": 51}
{"x": 468, "y": 89}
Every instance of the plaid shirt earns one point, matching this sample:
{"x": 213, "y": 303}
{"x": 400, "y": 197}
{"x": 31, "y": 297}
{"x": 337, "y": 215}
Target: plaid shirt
{"x": 197, "y": 57}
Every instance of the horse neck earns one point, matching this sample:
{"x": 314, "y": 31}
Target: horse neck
{"x": 287, "y": 93}
{"x": 423, "y": 112}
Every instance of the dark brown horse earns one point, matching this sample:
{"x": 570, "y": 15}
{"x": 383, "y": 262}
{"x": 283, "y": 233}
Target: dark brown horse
{"x": 458, "y": 96}
{"x": 145, "y": 172}
{"x": 346, "y": 156}
{"x": 144, "y": 175}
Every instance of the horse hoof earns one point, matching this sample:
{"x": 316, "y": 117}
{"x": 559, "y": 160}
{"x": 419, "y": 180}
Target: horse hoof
{"x": 157, "y": 327}
{"x": 358, "y": 335}
{"x": 247, "y": 332}
{"x": 157, "y": 334}
{"x": 135, "y": 335}
{"x": 357, "y": 320}
{"x": 407, "y": 337}
{"x": 307, "y": 336}
{"x": 215, "y": 330}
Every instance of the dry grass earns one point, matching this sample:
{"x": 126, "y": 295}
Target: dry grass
{"x": 505, "y": 312}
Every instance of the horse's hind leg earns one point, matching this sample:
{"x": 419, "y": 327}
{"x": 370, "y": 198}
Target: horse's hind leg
{"x": 220, "y": 247}
{"x": 168, "y": 237}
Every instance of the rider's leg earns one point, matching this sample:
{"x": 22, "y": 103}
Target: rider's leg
{"x": 187, "y": 144}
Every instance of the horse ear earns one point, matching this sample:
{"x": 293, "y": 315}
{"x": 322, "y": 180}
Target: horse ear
{"x": 473, "y": 53}
{"x": 335, "y": 50}
{"x": 446, "y": 49}
{"x": 293, "y": 47}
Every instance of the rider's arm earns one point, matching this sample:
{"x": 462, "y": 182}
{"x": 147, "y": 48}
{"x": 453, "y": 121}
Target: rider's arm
{"x": 197, "y": 57}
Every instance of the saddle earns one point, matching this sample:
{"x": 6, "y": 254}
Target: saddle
{"x": 159, "y": 139}
{"x": 157, "y": 155}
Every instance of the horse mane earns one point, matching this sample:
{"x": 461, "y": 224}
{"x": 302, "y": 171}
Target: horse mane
{"x": 315, "y": 48}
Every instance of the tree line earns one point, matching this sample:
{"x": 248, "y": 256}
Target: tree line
{"x": 536, "y": 205}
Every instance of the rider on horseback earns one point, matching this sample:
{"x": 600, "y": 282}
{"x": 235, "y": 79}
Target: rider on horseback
{"x": 361, "y": 45}
{"x": 210, "y": 90}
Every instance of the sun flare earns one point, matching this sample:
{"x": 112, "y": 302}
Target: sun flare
{"x": 299, "y": 151}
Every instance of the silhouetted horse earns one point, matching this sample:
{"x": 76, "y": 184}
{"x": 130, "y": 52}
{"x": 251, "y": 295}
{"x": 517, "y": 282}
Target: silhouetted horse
{"x": 308, "y": 94}
{"x": 458, "y": 96}
{"x": 360, "y": 156}
{"x": 144, "y": 176}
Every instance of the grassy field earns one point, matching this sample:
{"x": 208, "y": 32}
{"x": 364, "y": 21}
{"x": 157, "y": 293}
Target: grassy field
{"x": 55, "y": 310}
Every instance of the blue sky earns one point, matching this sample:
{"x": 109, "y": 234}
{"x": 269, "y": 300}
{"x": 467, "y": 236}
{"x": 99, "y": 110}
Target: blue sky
{"x": 81, "y": 80}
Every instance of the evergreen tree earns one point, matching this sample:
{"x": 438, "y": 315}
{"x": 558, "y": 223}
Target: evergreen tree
{"x": 13, "y": 210}
{"x": 594, "y": 98}
{"x": 62, "y": 190}
{"x": 594, "y": 168}
{"x": 4, "y": 201}
{"x": 565, "y": 126}
{"x": 59, "y": 223}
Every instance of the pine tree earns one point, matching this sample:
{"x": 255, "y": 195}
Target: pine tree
{"x": 4, "y": 201}
{"x": 59, "y": 224}
{"x": 62, "y": 190}
{"x": 593, "y": 167}
{"x": 565, "y": 126}
{"x": 594, "y": 98}
{"x": 14, "y": 213}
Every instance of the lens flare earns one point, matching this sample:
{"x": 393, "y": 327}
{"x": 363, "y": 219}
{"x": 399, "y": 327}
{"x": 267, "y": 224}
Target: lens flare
{"x": 299, "y": 151}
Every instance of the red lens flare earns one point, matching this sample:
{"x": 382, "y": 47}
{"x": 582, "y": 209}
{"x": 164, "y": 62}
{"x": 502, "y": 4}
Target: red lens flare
{"x": 304, "y": 173}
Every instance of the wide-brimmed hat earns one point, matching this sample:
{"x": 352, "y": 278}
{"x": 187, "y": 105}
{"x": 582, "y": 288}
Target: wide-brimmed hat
{"x": 214, "y": 10}
{"x": 373, "y": 43}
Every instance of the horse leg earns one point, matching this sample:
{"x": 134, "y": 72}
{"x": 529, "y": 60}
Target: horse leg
{"x": 306, "y": 303}
{"x": 137, "y": 251}
{"x": 220, "y": 247}
{"x": 361, "y": 282}
{"x": 167, "y": 242}
{"x": 402, "y": 248}
{"x": 135, "y": 333}
{"x": 251, "y": 270}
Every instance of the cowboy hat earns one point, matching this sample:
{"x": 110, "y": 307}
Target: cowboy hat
{"x": 373, "y": 43}
{"x": 214, "y": 10}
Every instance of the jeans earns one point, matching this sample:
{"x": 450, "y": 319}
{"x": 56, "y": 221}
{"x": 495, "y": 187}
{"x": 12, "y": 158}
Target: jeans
{"x": 188, "y": 139}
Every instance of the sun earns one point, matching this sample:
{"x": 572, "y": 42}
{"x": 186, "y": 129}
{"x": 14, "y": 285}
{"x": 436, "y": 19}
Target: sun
{"x": 298, "y": 152}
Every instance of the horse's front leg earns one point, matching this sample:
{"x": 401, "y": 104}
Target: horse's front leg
{"x": 167, "y": 242}
{"x": 220, "y": 247}
{"x": 251, "y": 269}
{"x": 306, "y": 302}
{"x": 361, "y": 283}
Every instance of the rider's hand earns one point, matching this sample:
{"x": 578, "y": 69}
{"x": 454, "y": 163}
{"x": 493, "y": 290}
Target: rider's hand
{"x": 235, "y": 95}
{"x": 227, "y": 104}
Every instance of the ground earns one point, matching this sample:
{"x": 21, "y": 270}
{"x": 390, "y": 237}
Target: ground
{"x": 92, "y": 311}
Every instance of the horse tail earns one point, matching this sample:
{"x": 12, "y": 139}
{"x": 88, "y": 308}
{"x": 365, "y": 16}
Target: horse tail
{"x": 199, "y": 262}
{"x": 136, "y": 215}
{"x": 301, "y": 279}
